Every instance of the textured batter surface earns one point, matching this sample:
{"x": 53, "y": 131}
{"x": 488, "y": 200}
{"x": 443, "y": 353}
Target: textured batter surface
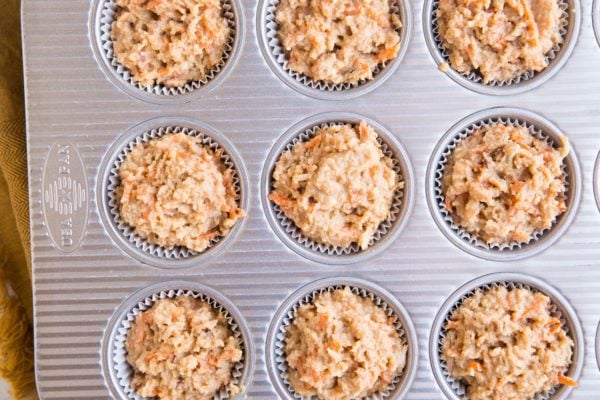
{"x": 338, "y": 41}
{"x": 342, "y": 346}
{"x": 506, "y": 345}
{"x": 502, "y": 184}
{"x": 182, "y": 348}
{"x": 499, "y": 39}
{"x": 338, "y": 187}
{"x": 175, "y": 191}
{"x": 169, "y": 42}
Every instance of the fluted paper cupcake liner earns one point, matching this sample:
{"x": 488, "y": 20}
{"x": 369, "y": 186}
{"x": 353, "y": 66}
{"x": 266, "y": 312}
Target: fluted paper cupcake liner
{"x": 107, "y": 17}
{"x": 114, "y": 181}
{"x": 475, "y": 77}
{"x": 400, "y": 382}
{"x": 459, "y": 387}
{"x": 439, "y": 174}
{"x": 396, "y": 208}
{"x": 278, "y": 52}
{"x": 124, "y": 372}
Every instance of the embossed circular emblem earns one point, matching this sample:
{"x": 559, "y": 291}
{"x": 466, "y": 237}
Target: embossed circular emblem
{"x": 65, "y": 196}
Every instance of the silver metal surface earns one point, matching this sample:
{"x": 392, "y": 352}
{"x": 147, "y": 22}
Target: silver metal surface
{"x": 79, "y": 284}
{"x": 596, "y": 18}
{"x": 563, "y": 308}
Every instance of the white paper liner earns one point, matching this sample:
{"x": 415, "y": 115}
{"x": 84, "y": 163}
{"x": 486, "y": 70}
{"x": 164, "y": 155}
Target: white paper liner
{"x": 475, "y": 77}
{"x": 280, "y": 357}
{"x": 459, "y": 388}
{"x": 124, "y": 372}
{"x": 384, "y": 227}
{"x": 274, "y": 46}
{"x": 439, "y": 193}
{"x": 107, "y": 17}
{"x": 178, "y": 252}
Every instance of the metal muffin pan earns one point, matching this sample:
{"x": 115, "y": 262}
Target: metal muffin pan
{"x": 82, "y": 275}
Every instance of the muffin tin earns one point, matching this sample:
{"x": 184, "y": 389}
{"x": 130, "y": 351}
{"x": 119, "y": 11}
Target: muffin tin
{"x": 81, "y": 114}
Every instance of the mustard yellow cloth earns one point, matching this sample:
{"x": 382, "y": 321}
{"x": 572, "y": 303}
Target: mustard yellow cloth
{"x": 16, "y": 333}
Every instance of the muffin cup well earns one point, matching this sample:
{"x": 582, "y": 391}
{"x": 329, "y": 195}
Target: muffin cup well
{"x": 569, "y": 29}
{"x": 275, "y": 353}
{"x": 538, "y": 127}
{"x": 103, "y": 16}
{"x": 118, "y": 372}
{"x": 123, "y": 234}
{"x": 597, "y": 181}
{"x": 276, "y": 58}
{"x": 596, "y": 19}
{"x": 388, "y": 230}
{"x": 561, "y": 309}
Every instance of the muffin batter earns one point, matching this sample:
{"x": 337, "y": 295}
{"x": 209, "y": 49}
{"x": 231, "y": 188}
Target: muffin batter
{"x": 501, "y": 184}
{"x": 169, "y": 42}
{"x": 342, "y": 346}
{"x": 506, "y": 345}
{"x": 499, "y": 39}
{"x": 182, "y": 349}
{"x": 338, "y": 41}
{"x": 338, "y": 187}
{"x": 175, "y": 191}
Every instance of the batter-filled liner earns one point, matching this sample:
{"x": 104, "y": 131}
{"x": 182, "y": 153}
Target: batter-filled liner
{"x": 439, "y": 193}
{"x": 294, "y": 232}
{"x": 475, "y": 77}
{"x": 458, "y": 387}
{"x": 107, "y": 17}
{"x": 278, "y": 52}
{"x": 124, "y": 372}
{"x": 308, "y": 298}
{"x": 178, "y": 252}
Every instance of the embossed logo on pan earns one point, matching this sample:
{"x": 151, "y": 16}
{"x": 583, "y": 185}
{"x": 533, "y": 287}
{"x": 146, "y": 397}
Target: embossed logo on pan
{"x": 65, "y": 196}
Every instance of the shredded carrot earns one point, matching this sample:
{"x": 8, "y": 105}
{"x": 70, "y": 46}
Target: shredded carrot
{"x": 281, "y": 201}
{"x": 533, "y": 306}
{"x": 554, "y": 325}
{"x": 336, "y": 346}
{"x": 565, "y": 380}
{"x": 314, "y": 142}
{"x": 322, "y": 324}
{"x": 209, "y": 235}
{"x": 475, "y": 365}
